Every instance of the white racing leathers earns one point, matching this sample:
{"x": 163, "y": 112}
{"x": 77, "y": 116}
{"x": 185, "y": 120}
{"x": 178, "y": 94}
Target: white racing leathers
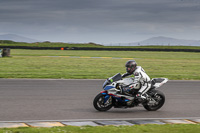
{"x": 141, "y": 80}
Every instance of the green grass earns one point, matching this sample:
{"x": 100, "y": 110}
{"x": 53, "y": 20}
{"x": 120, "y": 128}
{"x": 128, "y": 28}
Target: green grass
{"x": 167, "y": 128}
{"x": 30, "y": 64}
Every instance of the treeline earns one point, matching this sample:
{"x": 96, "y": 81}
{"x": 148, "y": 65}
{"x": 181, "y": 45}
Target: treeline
{"x": 47, "y": 44}
{"x": 99, "y": 49}
{"x": 92, "y": 46}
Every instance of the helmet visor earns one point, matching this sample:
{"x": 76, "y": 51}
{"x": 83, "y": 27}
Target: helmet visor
{"x": 130, "y": 69}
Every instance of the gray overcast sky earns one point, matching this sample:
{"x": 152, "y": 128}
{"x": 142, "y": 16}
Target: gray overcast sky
{"x": 100, "y": 21}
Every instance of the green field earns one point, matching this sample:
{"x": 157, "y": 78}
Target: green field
{"x": 167, "y": 128}
{"x": 42, "y": 64}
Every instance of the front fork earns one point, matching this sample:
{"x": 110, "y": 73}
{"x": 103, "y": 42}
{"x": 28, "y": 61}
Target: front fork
{"x": 106, "y": 96}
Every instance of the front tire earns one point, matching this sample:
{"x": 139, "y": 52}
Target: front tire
{"x": 99, "y": 103}
{"x": 158, "y": 101}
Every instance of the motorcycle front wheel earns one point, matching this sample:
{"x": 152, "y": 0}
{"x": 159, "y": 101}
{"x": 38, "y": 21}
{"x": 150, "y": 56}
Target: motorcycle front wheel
{"x": 100, "y": 104}
{"x": 156, "y": 102}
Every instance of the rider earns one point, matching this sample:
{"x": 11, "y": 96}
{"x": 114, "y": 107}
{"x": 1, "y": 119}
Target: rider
{"x": 141, "y": 80}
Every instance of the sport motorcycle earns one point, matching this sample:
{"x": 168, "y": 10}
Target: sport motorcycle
{"x": 114, "y": 95}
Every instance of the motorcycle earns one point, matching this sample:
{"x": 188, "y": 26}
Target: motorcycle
{"x": 114, "y": 96}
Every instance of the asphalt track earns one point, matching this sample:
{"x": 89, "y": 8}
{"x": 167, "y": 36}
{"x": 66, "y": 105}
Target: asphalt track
{"x": 32, "y": 99}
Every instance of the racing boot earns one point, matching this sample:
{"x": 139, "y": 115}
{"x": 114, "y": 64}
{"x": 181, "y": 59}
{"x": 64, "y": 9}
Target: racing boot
{"x": 141, "y": 98}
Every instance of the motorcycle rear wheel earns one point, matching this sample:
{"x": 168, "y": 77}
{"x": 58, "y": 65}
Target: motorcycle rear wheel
{"x": 99, "y": 103}
{"x": 159, "y": 97}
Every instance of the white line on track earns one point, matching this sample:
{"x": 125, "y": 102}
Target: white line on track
{"x": 116, "y": 119}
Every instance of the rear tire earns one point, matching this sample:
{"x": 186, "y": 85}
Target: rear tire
{"x": 159, "y": 97}
{"x": 99, "y": 103}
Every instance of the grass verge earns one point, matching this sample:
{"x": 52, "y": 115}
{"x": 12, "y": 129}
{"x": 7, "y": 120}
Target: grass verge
{"x": 167, "y": 128}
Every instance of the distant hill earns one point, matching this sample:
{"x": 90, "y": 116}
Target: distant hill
{"x": 164, "y": 41}
{"x": 160, "y": 40}
{"x": 169, "y": 41}
{"x": 17, "y": 38}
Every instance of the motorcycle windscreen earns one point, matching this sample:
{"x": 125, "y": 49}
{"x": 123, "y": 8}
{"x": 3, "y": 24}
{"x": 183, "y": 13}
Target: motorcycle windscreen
{"x": 116, "y": 77}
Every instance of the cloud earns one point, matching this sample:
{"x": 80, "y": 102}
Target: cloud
{"x": 109, "y": 20}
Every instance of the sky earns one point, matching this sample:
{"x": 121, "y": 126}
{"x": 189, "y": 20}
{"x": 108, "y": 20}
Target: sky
{"x": 100, "y": 21}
